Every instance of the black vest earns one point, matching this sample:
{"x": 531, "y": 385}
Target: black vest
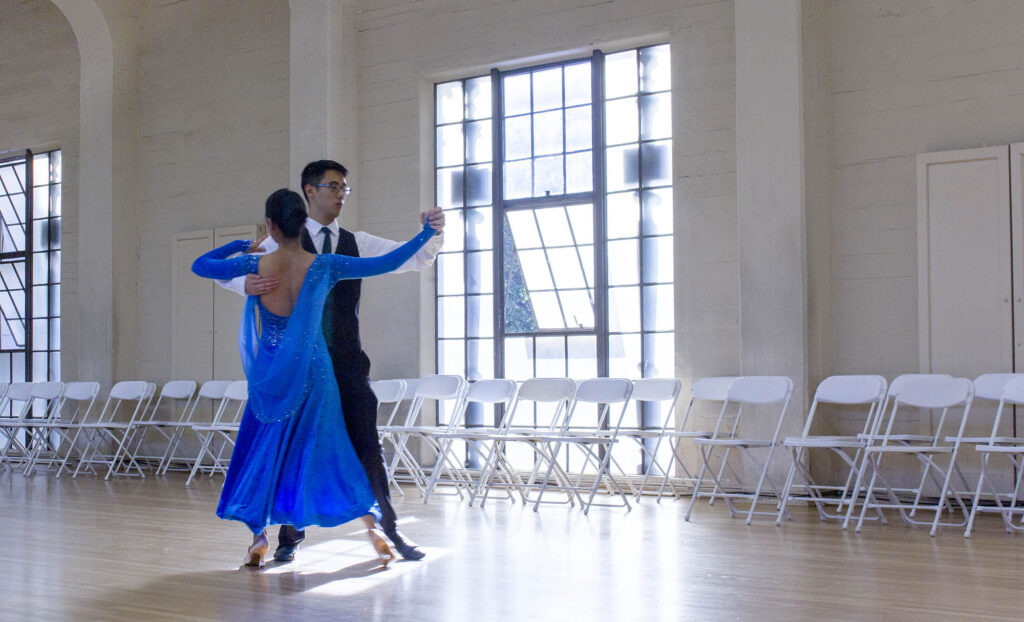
{"x": 341, "y": 313}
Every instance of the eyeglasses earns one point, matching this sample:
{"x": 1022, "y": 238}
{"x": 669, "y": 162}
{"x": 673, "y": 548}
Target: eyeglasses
{"x": 336, "y": 188}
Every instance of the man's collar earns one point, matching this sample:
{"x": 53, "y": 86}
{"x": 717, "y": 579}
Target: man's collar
{"x": 314, "y": 227}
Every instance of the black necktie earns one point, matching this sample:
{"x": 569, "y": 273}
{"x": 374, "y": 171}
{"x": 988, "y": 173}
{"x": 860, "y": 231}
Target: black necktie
{"x": 325, "y": 249}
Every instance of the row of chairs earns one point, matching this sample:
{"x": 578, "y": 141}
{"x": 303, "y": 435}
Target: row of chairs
{"x": 55, "y": 425}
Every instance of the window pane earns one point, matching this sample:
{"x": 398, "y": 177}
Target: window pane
{"x": 582, "y": 356}
{"x": 451, "y": 317}
{"x": 548, "y": 176}
{"x": 623, "y": 215}
{"x": 478, "y": 229}
{"x": 40, "y": 267}
{"x": 624, "y": 356}
{"x": 554, "y": 226}
{"x": 581, "y": 218}
{"x": 479, "y": 273}
{"x": 620, "y": 76}
{"x": 658, "y": 307}
{"x": 622, "y": 262}
{"x": 41, "y": 202}
{"x": 624, "y": 309}
{"x": 449, "y": 102}
{"x": 478, "y": 142}
{"x": 579, "y": 172}
{"x": 480, "y": 316}
{"x": 622, "y": 168}
{"x": 659, "y": 348}
{"x": 565, "y": 264}
{"x": 39, "y": 340}
{"x": 547, "y": 132}
{"x": 449, "y": 187}
{"x": 517, "y": 94}
{"x": 587, "y": 257}
{"x": 524, "y": 229}
{"x": 579, "y": 129}
{"x": 657, "y": 212}
{"x": 550, "y": 357}
{"x": 450, "y": 274}
{"x": 577, "y": 84}
{"x": 545, "y": 307}
{"x": 453, "y": 240}
{"x": 478, "y": 98}
{"x": 519, "y": 358}
{"x": 656, "y": 116}
{"x": 40, "y": 170}
{"x": 451, "y": 356}
{"x": 535, "y": 269}
{"x": 579, "y": 310}
{"x": 657, "y": 260}
{"x": 479, "y": 359}
{"x": 518, "y": 179}
{"x": 40, "y": 305}
{"x": 622, "y": 123}
{"x": 547, "y": 89}
{"x": 55, "y": 200}
{"x": 518, "y": 138}
{"x": 11, "y": 177}
{"x": 449, "y": 145}
{"x": 478, "y": 184}
{"x": 55, "y": 300}
{"x": 656, "y": 163}
{"x": 55, "y": 334}
{"x": 655, "y": 69}
{"x": 39, "y": 367}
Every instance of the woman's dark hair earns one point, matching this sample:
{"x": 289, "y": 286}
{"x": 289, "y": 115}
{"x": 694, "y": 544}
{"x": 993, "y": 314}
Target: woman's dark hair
{"x": 286, "y": 210}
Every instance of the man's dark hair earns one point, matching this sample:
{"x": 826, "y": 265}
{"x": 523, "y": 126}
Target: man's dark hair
{"x": 314, "y": 172}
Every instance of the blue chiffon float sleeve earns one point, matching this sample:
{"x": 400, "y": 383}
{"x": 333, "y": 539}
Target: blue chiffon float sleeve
{"x": 345, "y": 267}
{"x": 218, "y": 263}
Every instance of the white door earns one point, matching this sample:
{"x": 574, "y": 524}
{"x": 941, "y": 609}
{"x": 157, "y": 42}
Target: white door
{"x": 227, "y": 312}
{"x": 192, "y": 316}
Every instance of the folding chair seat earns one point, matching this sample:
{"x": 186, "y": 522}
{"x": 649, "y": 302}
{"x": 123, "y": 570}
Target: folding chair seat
{"x": 537, "y": 398}
{"x": 211, "y": 391}
{"x": 1007, "y": 501}
{"x": 389, "y": 394}
{"x": 17, "y": 399}
{"x": 936, "y": 457}
{"x": 37, "y": 433}
{"x": 772, "y": 394}
{"x": 224, "y": 429}
{"x": 106, "y": 430}
{"x": 867, "y": 393}
{"x": 73, "y": 408}
{"x": 172, "y": 393}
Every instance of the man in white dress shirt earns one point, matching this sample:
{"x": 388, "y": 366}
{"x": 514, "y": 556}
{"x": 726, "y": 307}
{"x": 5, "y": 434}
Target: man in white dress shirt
{"x": 325, "y": 188}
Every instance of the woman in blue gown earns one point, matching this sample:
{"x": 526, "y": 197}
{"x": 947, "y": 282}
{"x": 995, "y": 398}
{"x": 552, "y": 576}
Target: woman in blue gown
{"x": 293, "y": 462}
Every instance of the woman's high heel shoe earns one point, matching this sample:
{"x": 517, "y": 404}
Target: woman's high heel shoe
{"x": 254, "y": 556}
{"x": 382, "y": 547}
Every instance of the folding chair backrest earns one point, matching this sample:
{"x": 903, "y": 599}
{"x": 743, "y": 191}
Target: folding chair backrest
{"x": 935, "y": 392}
{"x": 51, "y": 392}
{"x": 233, "y": 404}
{"x": 389, "y": 392}
{"x": 559, "y": 392}
{"x": 178, "y": 389}
{"x": 656, "y": 389}
{"x": 492, "y": 391}
{"x": 757, "y": 390}
{"x": 850, "y": 390}
{"x": 605, "y": 392}
{"x": 214, "y": 389}
{"x": 129, "y": 390}
{"x": 80, "y": 392}
{"x": 18, "y": 392}
{"x": 442, "y": 388}
{"x": 990, "y": 386}
{"x": 1013, "y": 392}
{"x": 714, "y": 388}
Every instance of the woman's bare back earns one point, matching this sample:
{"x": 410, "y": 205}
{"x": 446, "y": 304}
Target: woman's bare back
{"x": 290, "y": 268}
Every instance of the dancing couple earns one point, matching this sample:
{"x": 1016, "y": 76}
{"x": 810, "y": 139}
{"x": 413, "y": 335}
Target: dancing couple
{"x": 307, "y": 451}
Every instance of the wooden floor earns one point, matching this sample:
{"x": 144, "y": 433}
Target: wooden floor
{"x": 153, "y": 550}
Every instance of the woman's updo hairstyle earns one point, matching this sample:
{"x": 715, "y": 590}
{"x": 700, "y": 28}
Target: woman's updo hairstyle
{"x": 286, "y": 210}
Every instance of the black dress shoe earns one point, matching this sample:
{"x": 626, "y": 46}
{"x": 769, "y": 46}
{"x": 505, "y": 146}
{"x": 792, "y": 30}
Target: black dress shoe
{"x": 285, "y": 553}
{"x": 406, "y": 548}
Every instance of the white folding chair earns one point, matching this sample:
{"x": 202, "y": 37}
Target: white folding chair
{"x": 866, "y": 392}
{"x": 224, "y": 429}
{"x": 923, "y": 393}
{"x": 1007, "y": 502}
{"x": 171, "y": 394}
{"x": 37, "y": 432}
{"x": 389, "y": 395}
{"x": 654, "y": 394}
{"x": 749, "y": 393}
{"x": 211, "y": 391}
{"x": 17, "y": 430}
{"x": 65, "y": 424}
{"x": 105, "y": 428}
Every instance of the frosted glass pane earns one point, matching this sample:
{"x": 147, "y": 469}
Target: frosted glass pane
{"x": 554, "y": 226}
{"x": 519, "y": 358}
{"x": 547, "y": 133}
{"x": 660, "y": 351}
{"x": 624, "y": 356}
{"x": 55, "y": 207}
{"x": 524, "y": 229}
{"x": 622, "y": 167}
{"x": 656, "y": 163}
{"x": 620, "y": 75}
{"x": 453, "y": 239}
{"x": 479, "y": 359}
{"x": 623, "y": 215}
{"x": 622, "y": 123}
{"x": 577, "y": 84}
{"x": 547, "y": 89}
{"x": 587, "y": 257}
{"x": 579, "y": 311}
{"x": 623, "y": 262}
{"x": 657, "y": 211}
{"x": 40, "y": 170}
{"x": 478, "y": 141}
{"x": 41, "y": 202}
{"x": 655, "y": 69}
{"x": 12, "y": 178}
{"x": 579, "y": 172}
{"x": 449, "y": 187}
{"x": 548, "y": 176}
{"x": 518, "y": 179}
{"x": 657, "y": 254}
{"x": 55, "y": 334}
{"x": 449, "y": 145}
{"x": 658, "y": 307}
{"x": 450, "y": 274}
{"x": 624, "y": 309}
{"x": 478, "y": 98}
{"x": 517, "y": 94}
{"x": 535, "y": 270}
{"x": 656, "y": 116}
{"x": 565, "y": 264}
{"x": 480, "y": 316}
{"x": 582, "y": 357}
{"x": 518, "y": 138}
{"x": 579, "y": 129}
{"x": 550, "y": 357}
{"x": 451, "y": 356}
{"x": 479, "y": 231}
{"x": 479, "y": 273}
{"x": 449, "y": 102}
{"x": 581, "y": 219}
{"x": 451, "y": 317}
{"x": 478, "y": 184}
{"x": 545, "y": 306}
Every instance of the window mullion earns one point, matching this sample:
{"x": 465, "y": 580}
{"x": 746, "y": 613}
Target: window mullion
{"x": 498, "y": 220}
{"x": 600, "y": 214}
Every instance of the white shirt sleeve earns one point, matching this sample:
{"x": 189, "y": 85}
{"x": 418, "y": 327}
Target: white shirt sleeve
{"x": 372, "y": 246}
{"x": 237, "y": 284}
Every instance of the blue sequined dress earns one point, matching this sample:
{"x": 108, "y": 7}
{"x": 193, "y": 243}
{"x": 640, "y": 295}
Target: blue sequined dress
{"x": 293, "y": 462}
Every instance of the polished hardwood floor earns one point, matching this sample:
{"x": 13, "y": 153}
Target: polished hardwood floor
{"x": 86, "y": 549}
